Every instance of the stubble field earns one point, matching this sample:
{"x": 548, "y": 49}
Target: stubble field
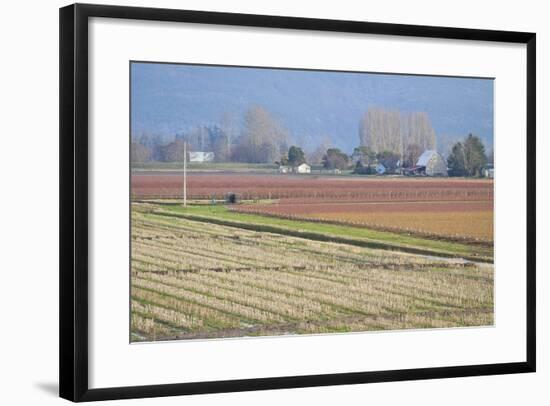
{"x": 308, "y": 254}
{"x": 195, "y": 279}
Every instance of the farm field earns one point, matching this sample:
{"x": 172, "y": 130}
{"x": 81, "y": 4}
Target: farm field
{"x": 460, "y": 220}
{"x": 452, "y": 209}
{"x": 307, "y": 255}
{"x": 250, "y": 186}
{"x": 324, "y": 231}
{"x": 193, "y": 278}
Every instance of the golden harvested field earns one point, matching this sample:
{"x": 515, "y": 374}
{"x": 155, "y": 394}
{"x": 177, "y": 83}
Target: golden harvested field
{"x": 194, "y": 279}
{"x": 446, "y": 219}
{"x": 475, "y": 225}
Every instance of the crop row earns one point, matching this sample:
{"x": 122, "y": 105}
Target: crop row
{"x": 307, "y": 195}
{"x": 192, "y": 279}
{"x": 250, "y": 187}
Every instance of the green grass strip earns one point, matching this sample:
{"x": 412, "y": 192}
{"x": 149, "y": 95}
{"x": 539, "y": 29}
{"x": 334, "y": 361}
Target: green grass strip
{"x": 361, "y": 237}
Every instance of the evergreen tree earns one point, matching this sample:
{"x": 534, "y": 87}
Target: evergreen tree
{"x": 467, "y": 158}
{"x": 457, "y": 160}
{"x": 364, "y": 154}
{"x": 296, "y": 156}
{"x": 475, "y": 155}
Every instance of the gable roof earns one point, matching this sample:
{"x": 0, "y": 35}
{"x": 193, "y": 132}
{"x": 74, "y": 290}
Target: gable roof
{"x": 425, "y": 157}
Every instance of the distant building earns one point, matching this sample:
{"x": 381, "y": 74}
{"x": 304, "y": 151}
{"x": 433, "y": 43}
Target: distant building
{"x": 284, "y": 169}
{"x": 380, "y": 169}
{"x": 201, "y": 156}
{"x": 303, "y": 168}
{"x": 488, "y": 171}
{"x": 389, "y": 164}
{"x": 430, "y": 163}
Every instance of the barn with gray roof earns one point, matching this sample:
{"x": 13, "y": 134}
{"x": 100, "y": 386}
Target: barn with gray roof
{"x": 431, "y": 163}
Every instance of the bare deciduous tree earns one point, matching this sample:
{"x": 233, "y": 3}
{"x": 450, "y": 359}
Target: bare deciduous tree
{"x": 140, "y": 153}
{"x": 316, "y": 156}
{"x": 263, "y": 139}
{"x": 230, "y": 129}
{"x": 384, "y": 130}
{"x": 174, "y": 152}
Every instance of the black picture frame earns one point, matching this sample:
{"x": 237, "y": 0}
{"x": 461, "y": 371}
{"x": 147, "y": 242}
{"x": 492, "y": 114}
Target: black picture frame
{"x": 73, "y": 277}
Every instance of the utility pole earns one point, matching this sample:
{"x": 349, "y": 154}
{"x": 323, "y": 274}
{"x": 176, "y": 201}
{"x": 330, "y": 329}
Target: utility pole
{"x": 184, "y": 173}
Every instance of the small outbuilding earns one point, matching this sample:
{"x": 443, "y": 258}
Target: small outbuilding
{"x": 389, "y": 165}
{"x": 431, "y": 163}
{"x": 489, "y": 171}
{"x": 303, "y": 168}
{"x": 201, "y": 156}
{"x": 284, "y": 169}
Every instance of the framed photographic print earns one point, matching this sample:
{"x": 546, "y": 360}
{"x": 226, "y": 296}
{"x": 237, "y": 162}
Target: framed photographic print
{"x": 256, "y": 202}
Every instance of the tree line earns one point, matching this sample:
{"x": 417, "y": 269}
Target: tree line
{"x": 392, "y": 138}
{"x": 406, "y": 135}
{"x": 260, "y": 139}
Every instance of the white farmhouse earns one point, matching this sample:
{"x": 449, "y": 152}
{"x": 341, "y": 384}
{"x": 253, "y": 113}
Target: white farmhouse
{"x": 303, "y": 168}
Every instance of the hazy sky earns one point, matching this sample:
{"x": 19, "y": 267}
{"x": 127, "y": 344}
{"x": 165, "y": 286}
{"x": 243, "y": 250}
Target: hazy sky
{"x": 171, "y": 98}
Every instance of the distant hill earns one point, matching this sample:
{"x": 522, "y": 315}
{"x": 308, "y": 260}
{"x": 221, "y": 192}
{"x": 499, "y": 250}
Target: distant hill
{"x": 168, "y": 99}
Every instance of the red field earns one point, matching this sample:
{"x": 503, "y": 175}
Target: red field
{"x": 458, "y": 209}
{"x": 322, "y": 188}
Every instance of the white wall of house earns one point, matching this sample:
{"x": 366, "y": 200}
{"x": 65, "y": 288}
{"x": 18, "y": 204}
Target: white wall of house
{"x": 303, "y": 168}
